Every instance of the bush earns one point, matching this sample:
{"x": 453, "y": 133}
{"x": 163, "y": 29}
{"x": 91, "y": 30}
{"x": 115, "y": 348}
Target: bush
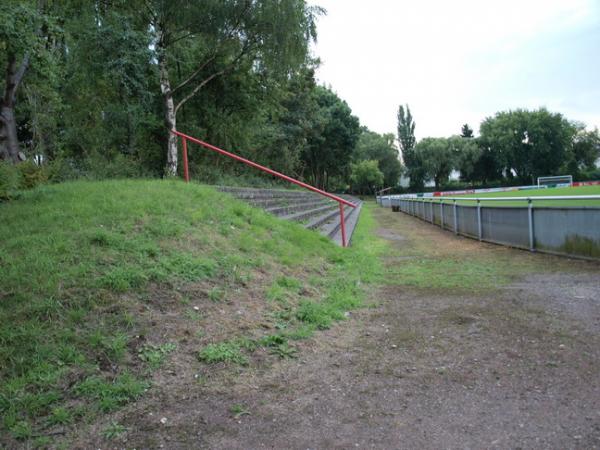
{"x": 64, "y": 169}
{"x": 589, "y": 175}
{"x": 32, "y": 175}
{"x": 234, "y": 176}
{"x": 366, "y": 176}
{"x": 117, "y": 165}
{"x": 10, "y": 179}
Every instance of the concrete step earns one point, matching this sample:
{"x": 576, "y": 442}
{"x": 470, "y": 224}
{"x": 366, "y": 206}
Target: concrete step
{"x": 328, "y": 215}
{"x": 252, "y": 193}
{"x": 351, "y": 222}
{"x": 303, "y": 215}
{"x": 298, "y": 206}
{"x": 315, "y": 211}
{"x": 331, "y": 226}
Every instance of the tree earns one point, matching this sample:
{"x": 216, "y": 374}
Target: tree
{"x": 584, "y": 151}
{"x": 289, "y": 128}
{"x": 20, "y": 40}
{"x": 109, "y": 85}
{"x": 334, "y": 132}
{"x": 466, "y": 153}
{"x": 437, "y": 159}
{"x": 406, "y": 138}
{"x": 204, "y": 40}
{"x": 406, "y": 131}
{"x": 366, "y": 176}
{"x": 466, "y": 131}
{"x": 374, "y": 146}
{"x": 527, "y": 144}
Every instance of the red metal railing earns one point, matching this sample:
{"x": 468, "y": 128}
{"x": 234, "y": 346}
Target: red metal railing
{"x": 186, "y": 174}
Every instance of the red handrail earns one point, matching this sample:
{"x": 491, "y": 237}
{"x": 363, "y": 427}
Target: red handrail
{"x": 341, "y": 201}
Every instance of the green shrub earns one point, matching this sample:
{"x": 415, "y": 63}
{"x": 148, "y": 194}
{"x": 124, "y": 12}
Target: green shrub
{"x": 32, "y": 175}
{"x": 9, "y": 180}
{"x": 64, "y": 169}
{"x": 116, "y": 165}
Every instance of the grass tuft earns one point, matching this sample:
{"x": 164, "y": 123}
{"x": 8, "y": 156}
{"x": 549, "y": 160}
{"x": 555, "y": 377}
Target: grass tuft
{"x": 222, "y": 352}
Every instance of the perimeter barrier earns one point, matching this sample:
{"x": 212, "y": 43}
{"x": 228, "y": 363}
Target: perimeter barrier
{"x": 563, "y": 230}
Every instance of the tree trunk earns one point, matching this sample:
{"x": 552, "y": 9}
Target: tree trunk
{"x": 9, "y": 142}
{"x": 170, "y": 116}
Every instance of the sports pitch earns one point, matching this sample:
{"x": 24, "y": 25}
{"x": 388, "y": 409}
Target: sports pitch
{"x": 532, "y": 193}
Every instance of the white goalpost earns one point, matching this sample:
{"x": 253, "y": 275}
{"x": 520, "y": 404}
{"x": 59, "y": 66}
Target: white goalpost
{"x": 558, "y": 180}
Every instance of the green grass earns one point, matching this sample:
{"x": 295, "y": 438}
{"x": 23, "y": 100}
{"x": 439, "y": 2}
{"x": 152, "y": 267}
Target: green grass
{"x": 428, "y": 260}
{"x": 80, "y": 260}
{"x": 223, "y": 352}
{"x": 564, "y": 191}
{"x": 342, "y": 287}
{"x": 113, "y": 431}
{"x": 155, "y": 355}
{"x": 459, "y": 273}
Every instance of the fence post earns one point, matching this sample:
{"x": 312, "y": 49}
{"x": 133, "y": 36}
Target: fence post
{"x": 186, "y": 172}
{"x": 431, "y": 203}
{"x": 442, "y": 213}
{"x": 531, "y": 232}
{"x": 479, "y": 231}
{"x": 455, "y": 219}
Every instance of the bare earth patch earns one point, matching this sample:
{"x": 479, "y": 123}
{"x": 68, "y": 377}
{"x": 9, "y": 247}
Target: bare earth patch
{"x": 512, "y": 367}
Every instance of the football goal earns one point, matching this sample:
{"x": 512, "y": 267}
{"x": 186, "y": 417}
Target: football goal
{"x": 555, "y": 180}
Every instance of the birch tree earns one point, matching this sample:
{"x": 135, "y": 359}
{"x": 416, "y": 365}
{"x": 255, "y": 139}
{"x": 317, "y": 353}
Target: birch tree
{"x": 197, "y": 42}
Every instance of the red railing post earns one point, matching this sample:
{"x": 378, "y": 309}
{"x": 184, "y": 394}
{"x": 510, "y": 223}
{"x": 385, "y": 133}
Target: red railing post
{"x": 186, "y": 171}
{"x": 342, "y": 224}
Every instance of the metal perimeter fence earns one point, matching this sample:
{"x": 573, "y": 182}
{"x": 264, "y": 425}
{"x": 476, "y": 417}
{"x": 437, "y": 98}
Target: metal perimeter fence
{"x": 563, "y": 230}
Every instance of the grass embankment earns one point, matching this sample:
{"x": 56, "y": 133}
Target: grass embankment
{"x": 550, "y": 192}
{"x": 103, "y": 284}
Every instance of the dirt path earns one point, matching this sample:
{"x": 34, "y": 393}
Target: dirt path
{"x": 513, "y": 367}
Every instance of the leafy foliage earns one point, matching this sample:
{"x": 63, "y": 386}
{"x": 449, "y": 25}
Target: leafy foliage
{"x": 407, "y": 140}
{"x": 437, "y": 158}
{"x": 527, "y": 144}
{"x": 366, "y": 177}
{"x": 514, "y": 147}
{"x": 373, "y": 146}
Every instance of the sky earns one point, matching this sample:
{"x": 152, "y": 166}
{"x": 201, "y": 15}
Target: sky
{"x": 460, "y": 61}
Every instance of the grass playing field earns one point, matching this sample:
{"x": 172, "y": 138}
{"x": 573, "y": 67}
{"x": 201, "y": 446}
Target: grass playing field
{"x": 532, "y": 193}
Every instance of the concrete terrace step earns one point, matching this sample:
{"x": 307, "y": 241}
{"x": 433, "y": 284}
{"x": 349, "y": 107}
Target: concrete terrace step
{"x": 331, "y": 214}
{"x": 297, "y": 207}
{"x": 332, "y": 225}
{"x": 351, "y": 221}
{"x": 303, "y": 215}
{"x": 313, "y": 210}
{"x": 252, "y": 193}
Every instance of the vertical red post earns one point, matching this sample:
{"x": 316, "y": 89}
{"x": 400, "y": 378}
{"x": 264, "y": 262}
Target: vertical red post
{"x": 342, "y": 225}
{"x": 186, "y": 172}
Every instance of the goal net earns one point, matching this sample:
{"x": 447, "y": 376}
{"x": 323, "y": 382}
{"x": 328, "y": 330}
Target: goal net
{"x": 559, "y": 180}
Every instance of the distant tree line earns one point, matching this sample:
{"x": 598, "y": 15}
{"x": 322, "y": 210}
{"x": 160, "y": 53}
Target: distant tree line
{"x": 513, "y": 147}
